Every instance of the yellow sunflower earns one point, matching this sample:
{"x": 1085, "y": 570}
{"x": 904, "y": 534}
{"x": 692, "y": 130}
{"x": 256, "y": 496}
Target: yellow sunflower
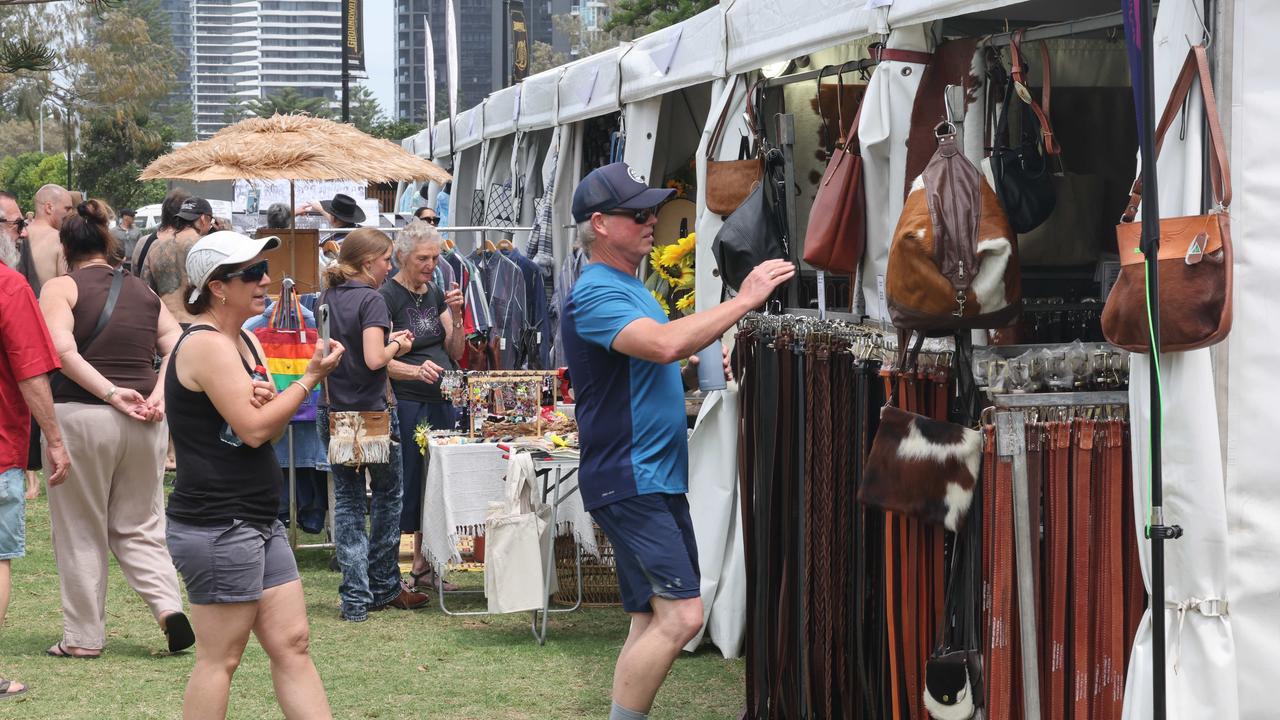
{"x": 687, "y": 278}
{"x": 686, "y": 303}
{"x": 655, "y": 262}
{"x": 662, "y": 302}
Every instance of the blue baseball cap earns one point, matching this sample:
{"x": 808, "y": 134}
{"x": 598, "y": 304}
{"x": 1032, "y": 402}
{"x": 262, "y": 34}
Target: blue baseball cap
{"x": 615, "y": 186}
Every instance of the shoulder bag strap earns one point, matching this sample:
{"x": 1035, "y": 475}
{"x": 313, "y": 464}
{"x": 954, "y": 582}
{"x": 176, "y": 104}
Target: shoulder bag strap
{"x": 113, "y": 295}
{"x": 142, "y": 255}
{"x": 717, "y": 133}
{"x": 1197, "y": 62}
{"x": 1042, "y": 114}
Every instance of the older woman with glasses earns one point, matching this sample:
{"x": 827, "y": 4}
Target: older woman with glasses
{"x": 434, "y": 315}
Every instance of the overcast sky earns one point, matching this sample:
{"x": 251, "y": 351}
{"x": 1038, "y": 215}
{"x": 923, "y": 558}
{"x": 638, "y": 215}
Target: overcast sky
{"x": 380, "y": 52}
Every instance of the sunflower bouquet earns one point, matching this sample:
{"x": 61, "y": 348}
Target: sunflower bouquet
{"x": 671, "y": 276}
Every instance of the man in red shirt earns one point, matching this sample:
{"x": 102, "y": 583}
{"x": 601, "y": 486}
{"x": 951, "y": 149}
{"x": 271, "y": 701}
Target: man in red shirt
{"x": 26, "y": 359}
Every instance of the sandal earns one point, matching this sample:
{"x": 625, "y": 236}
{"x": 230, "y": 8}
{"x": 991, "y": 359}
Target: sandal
{"x": 6, "y": 690}
{"x": 62, "y": 651}
{"x": 430, "y": 577}
{"x": 178, "y": 629}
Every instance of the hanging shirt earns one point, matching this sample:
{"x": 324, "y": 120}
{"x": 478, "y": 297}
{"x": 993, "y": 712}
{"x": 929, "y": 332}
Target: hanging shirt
{"x": 504, "y": 286}
{"x": 631, "y": 417}
{"x": 538, "y": 346}
{"x": 570, "y": 270}
{"x": 442, "y": 207}
{"x": 476, "y": 302}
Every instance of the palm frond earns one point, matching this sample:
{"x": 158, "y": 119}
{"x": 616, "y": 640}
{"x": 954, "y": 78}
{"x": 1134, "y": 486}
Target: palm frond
{"x": 26, "y": 54}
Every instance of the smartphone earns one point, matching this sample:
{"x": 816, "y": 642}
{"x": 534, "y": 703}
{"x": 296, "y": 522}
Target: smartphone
{"x": 324, "y": 328}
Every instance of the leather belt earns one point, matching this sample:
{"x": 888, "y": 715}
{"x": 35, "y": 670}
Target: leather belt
{"x": 883, "y": 54}
{"x": 1080, "y": 664}
{"x": 1057, "y": 540}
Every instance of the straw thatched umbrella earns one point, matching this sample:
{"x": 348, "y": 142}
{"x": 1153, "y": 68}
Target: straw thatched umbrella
{"x": 292, "y": 147}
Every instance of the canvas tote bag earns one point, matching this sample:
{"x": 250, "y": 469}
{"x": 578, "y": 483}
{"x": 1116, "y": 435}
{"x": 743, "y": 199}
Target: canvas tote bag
{"x": 516, "y": 532}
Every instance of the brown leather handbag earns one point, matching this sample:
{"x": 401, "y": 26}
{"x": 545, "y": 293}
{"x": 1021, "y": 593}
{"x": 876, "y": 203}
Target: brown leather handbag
{"x": 954, "y": 259}
{"x": 1195, "y": 251}
{"x": 730, "y": 181}
{"x": 837, "y": 230}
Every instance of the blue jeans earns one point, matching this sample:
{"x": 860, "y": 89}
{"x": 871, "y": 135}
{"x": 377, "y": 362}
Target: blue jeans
{"x": 368, "y": 557}
{"x": 440, "y": 416}
{"x": 13, "y": 519}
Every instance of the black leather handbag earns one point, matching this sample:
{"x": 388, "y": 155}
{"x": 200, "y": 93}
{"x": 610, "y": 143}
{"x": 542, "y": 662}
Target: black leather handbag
{"x": 1022, "y": 172}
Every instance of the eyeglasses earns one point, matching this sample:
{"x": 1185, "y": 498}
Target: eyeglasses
{"x": 18, "y": 224}
{"x": 434, "y": 219}
{"x": 252, "y": 274}
{"x": 641, "y": 216}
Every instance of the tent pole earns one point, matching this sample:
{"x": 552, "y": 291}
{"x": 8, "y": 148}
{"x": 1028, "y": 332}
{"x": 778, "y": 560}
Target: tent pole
{"x": 1157, "y": 531}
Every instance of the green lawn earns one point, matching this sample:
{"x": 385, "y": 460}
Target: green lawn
{"x": 399, "y": 664}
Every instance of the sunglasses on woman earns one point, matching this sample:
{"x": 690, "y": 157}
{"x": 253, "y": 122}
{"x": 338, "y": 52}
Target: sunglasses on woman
{"x": 433, "y": 220}
{"x": 252, "y": 274}
{"x": 641, "y": 216}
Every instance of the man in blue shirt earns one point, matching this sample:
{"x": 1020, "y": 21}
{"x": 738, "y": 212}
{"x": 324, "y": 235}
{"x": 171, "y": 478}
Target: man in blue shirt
{"x": 623, "y": 358}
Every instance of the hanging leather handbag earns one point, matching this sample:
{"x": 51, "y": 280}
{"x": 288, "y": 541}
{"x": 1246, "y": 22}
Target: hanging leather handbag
{"x": 1023, "y": 178}
{"x": 730, "y": 181}
{"x": 747, "y": 238}
{"x": 1194, "y": 258}
{"x": 837, "y": 229}
{"x": 953, "y": 263}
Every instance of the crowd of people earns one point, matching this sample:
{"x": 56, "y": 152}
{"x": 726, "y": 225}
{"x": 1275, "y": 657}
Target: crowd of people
{"x": 123, "y": 346}
{"x": 113, "y": 354}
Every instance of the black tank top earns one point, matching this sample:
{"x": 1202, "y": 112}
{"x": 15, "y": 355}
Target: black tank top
{"x": 215, "y": 482}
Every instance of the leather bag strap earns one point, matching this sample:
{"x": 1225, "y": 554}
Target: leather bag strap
{"x": 113, "y": 296}
{"x": 1195, "y": 66}
{"x": 1020, "y": 86}
{"x": 717, "y": 133}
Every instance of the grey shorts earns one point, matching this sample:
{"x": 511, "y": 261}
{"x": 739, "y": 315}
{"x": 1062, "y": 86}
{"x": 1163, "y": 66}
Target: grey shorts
{"x": 232, "y": 562}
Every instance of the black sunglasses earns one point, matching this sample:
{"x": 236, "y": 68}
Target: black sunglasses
{"x": 434, "y": 219}
{"x": 19, "y": 223}
{"x": 641, "y": 216}
{"x": 252, "y": 274}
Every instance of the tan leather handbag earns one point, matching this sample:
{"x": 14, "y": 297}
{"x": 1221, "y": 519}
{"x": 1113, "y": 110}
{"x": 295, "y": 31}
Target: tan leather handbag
{"x": 730, "y": 181}
{"x": 1194, "y": 259}
{"x": 837, "y": 230}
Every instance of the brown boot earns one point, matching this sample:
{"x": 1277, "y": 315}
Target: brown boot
{"x": 406, "y": 600}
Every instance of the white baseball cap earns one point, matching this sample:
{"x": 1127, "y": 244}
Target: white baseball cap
{"x": 219, "y": 249}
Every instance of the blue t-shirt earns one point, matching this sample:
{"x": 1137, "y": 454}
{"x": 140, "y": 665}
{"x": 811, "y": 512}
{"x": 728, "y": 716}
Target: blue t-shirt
{"x": 631, "y": 418}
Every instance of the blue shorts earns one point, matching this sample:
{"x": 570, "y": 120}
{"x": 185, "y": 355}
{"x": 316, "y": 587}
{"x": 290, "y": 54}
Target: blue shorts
{"x": 13, "y": 519}
{"x": 654, "y": 548}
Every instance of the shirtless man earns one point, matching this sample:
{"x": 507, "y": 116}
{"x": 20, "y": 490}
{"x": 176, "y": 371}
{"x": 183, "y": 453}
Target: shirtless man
{"x": 166, "y": 264}
{"x": 53, "y": 203}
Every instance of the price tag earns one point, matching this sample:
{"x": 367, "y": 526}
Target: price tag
{"x": 884, "y": 303}
{"x": 502, "y": 343}
{"x": 539, "y": 337}
{"x": 822, "y": 295}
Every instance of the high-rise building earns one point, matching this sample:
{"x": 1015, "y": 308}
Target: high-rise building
{"x": 246, "y": 49}
{"x": 224, "y": 58}
{"x": 302, "y": 48}
{"x": 484, "y": 64}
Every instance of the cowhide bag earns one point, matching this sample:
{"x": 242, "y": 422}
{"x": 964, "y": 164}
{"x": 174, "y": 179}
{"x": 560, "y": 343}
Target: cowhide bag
{"x": 922, "y": 467}
{"x": 1194, "y": 256}
{"x": 953, "y": 264}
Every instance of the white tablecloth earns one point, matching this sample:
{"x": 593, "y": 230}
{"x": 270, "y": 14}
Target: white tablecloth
{"x": 461, "y": 482}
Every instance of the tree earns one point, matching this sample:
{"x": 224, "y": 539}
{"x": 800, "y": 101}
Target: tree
{"x": 24, "y": 174}
{"x": 366, "y": 113}
{"x": 235, "y": 110}
{"x": 395, "y": 130}
{"x": 588, "y": 42}
{"x": 288, "y": 102}
{"x": 113, "y": 153}
{"x": 644, "y": 16}
{"x": 545, "y": 57}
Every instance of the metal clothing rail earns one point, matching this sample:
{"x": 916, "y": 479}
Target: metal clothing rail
{"x": 1061, "y": 29}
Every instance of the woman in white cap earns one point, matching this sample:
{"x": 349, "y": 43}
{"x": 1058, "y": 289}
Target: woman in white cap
{"x": 223, "y": 532}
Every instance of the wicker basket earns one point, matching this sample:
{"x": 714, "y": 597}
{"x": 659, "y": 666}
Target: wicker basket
{"x": 599, "y": 578}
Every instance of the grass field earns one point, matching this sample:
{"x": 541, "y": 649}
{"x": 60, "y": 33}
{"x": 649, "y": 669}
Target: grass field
{"x": 419, "y": 664}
